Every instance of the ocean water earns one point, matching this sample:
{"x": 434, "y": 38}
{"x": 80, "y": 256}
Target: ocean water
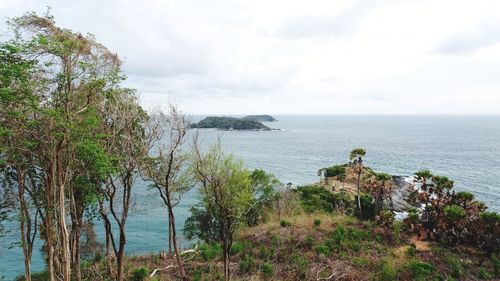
{"x": 464, "y": 148}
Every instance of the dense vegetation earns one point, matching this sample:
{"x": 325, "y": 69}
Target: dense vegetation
{"x": 260, "y": 118}
{"x": 73, "y": 141}
{"x": 230, "y": 123}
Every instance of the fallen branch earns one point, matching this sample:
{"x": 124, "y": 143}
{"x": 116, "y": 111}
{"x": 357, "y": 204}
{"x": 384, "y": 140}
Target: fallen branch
{"x": 194, "y": 250}
{"x": 161, "y": 269}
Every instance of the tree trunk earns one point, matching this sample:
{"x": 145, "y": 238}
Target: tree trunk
{"x": 120, "y": 256}
{"x": 359, "y": 198}
{"x": 169, "y": 235}
{"x": 174, "y": 237}
{"x": 25, "y": 225}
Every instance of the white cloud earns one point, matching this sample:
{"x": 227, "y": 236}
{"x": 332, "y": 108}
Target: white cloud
{"x": 319, "y": 56}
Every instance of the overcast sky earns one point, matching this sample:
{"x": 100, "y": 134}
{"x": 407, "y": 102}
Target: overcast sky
{"x": 297, "y": 57}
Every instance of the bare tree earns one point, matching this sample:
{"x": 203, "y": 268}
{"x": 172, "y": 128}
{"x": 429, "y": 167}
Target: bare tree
{"x": 168, "y": 168}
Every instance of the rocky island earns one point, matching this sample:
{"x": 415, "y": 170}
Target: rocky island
{"x": 232, "y": 123}
{"x": 260, "y": 118}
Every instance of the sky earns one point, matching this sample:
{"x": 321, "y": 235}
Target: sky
{"x": 296, "y": 57}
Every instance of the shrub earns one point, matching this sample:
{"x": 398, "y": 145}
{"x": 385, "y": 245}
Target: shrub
{"x": 495, "y": 261}
{"x": 265, "y": 253}
{"x": 339, "y": 235}
{"x": 309, "y": 241}
{"x": 420, "y": 271}
{"x": 322, "y": 250}
{"x": 454, "y": 212}
{"x": 367, "y": 207}
{"x": 411, "y": 251}
{"x": 140, "y": 274}
{"x": 197, "y": 275}
{"x": 317, "y": 222}
{"x": 388, "y": 272}
{"x": 396, "y": 231}
{"x": 300, "y": 263}
{"x": 246, "y": 264}
{"x": 457, "y": 270}
{"x": 316, "y": 198}
{"x": 267, "y": 271}
{"x": 335, "y": 171}
{"x": 237, "y": 247}
{"x": 483, "y": 274}
{"x": 284, "y": 223}
{"x": 210, "y": 251}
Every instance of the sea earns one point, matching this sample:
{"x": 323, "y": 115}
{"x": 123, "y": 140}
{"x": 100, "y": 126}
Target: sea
{"x": 464, "y": 148}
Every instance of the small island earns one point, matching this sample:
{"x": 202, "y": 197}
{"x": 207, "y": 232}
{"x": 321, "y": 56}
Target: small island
{"x": 260, "y": 118}
{"x": 232, "y": 123}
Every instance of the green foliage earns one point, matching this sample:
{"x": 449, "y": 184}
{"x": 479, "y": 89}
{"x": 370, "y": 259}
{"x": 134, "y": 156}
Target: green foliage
{"x": 246, "y": 264}
{"x": 309, "y": 241}
{"x": 454, "y": 212}
{"x": 316, "y": 198}
{"x": 210, "y": 251}
{"x": 322, "y": 250}
{"x": 317, "y": 222}
{"x": 484, "y": 274}
{"x": 420, "y": 271}
{"x": 238, "y": 247}
{"x": 267, "y": 270}
{"x": 339, "y": 234}
{"x": 228, "y": 123}
{"x": 457, "y": 269}
{"x": 360, "y": 261}
{"x": 368, "y": 207}
{"x": 140, "y": 274}
{"x": 357, "y": 152}
{"x": 338, "y": 171}
{"x": 397, "y": 227}
{"x": 495, "y": 261}
{"x": 411, "y": 251}
{"x": 284, "y": 223}
{"x": 388, "y": 271}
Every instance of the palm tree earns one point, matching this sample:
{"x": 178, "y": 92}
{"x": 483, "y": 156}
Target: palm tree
{"x": 356, "y": 157}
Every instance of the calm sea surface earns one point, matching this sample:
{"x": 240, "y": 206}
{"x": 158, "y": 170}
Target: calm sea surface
{"x": 464, "y": 148}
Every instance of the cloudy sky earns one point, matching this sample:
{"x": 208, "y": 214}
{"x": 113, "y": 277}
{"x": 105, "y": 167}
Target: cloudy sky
{"x": 297, "y": 57}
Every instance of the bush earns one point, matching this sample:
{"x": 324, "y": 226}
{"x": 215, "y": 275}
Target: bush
{"x": 339, "y": 234}
{"x": 495, "y": 261}
{"x": 454, "y": 212}
{"x": 284, "y": 223}
{"x": 367, "y": 207}
{"x": 309, "y": 241}
{"x": 267, "y": 271}
{"x": 396, "y": 231}
{"x": 457, "y": 270}
{"x": 317, "y": 222}
{"x": 316, "y": 198}
{"x": 420, "y": 271}
{"x": 210, "y": 251}
{"x": 483, "y": 274}
{"x": 246, "y": 264}
{"x": 388, "y": 272}
{"x": 411, "y": 251}
{"x": 237, "y": 247}
{"x": 322, "y": 250}
{"x": 140, "y": 274}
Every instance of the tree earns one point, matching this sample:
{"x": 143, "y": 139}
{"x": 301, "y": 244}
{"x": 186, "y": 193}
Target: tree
{"x": 381, "y": 186}
{"x": 127, "y": 144}
{"x": 226, "y": 192}
{"x": 168, "y": 169}
{"x": 71, "y": 77}
{"x": 356, "y": 157}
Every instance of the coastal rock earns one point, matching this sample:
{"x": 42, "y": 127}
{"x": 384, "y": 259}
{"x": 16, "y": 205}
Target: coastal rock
{"x": 402, "y": 189}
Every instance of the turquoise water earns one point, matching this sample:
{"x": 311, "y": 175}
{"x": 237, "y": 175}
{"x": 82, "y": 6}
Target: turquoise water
{"x": 464, "y": 148}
